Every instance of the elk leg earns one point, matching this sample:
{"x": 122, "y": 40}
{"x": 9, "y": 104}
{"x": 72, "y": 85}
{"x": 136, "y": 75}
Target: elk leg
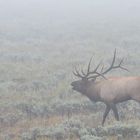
{"x": 115, "y": 111}
{"x": 105, "y": 114}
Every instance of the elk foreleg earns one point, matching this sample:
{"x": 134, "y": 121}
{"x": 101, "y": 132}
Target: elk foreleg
{"x": 105, "y": 114}
{"x": 115, "y": 111}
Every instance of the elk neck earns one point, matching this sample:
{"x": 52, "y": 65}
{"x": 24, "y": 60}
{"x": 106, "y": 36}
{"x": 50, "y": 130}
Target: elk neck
{"x": 92, "y": 91}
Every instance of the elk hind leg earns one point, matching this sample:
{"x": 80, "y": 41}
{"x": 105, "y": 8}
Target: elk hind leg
{"x": 105, "y": 114}
{"x": 115, "y": 111}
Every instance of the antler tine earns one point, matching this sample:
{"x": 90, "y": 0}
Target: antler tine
{"x": 112, "y": 64}
{"x": 102, "y": 68}
{"x": 76, "y": 73}
{"x": 114, "y": 57}
{"x": 83, "y": 75}
{"x": 101, "y": 75}
{"x": 98, "y": 74}
{"x": 83, "y": 72}
{"x": 121, "y": 61}
{"x": 95, "y": 70}
{"x": 114, "y": 67}
{"x": 88, "y": 70}
{"x": 120, "y": 65}
{"x": 124, "y": 68}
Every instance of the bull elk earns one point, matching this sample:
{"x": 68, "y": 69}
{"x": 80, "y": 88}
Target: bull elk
{"x": 111, "y": 90}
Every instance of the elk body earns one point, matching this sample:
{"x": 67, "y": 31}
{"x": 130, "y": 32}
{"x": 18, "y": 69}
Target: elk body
{"x": 111, "y": 90}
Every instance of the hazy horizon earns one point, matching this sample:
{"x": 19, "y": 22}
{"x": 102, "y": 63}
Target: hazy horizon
{"x": 50, "y": 19}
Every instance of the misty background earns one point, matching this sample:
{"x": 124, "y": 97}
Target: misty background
{"x": 41, "y": 41}
{"x": 37, "y": 28}
{"x": 69, "y": 23}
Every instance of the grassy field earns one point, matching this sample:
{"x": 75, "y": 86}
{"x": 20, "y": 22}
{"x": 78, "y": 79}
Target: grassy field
{"x": 37, "y": 101}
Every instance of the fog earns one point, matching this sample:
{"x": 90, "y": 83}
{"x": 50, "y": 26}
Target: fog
{"x": 47, "y": 19}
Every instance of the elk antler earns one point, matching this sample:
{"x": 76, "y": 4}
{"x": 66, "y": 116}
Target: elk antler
{"x": 112, "y": 66}
{"x": 76, "y": 73}
{"x": 94, "y": 74}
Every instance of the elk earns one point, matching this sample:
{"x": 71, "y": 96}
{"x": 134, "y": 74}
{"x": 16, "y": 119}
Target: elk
{"x": 111, "y": 90}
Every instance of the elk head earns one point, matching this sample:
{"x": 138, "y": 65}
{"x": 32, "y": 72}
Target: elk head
{"x": 89, "y": 77}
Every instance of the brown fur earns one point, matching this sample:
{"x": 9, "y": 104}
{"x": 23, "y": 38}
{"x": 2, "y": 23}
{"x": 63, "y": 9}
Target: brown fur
{"x": 111, "y": 91}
